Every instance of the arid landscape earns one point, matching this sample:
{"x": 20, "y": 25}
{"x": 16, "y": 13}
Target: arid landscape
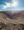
{"x": 9, "y": 21}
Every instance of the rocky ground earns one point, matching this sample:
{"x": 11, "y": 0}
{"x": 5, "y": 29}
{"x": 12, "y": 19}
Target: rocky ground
{"x": 11, "y": 24}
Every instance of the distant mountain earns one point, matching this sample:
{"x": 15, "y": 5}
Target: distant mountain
{"x": 14, "y": 15}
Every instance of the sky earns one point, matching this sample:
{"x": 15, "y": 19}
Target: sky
{"x": 13, "y": 5}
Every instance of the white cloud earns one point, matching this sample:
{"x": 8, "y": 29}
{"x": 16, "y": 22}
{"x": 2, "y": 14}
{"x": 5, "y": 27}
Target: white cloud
{"x": 13, "y": 4}
{"x": 7, "y": 5}
{"x": 4, "y": 7}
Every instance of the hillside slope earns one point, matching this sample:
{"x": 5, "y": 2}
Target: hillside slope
{"x": 20, "y": 19}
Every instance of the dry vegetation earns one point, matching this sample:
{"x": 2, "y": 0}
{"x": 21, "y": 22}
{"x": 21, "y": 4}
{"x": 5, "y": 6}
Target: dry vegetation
{"x": 12, "y": 24}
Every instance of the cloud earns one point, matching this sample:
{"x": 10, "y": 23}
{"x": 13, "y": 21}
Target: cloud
{"x": 7, "y": 5}
{"x": 13, "y": 4}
